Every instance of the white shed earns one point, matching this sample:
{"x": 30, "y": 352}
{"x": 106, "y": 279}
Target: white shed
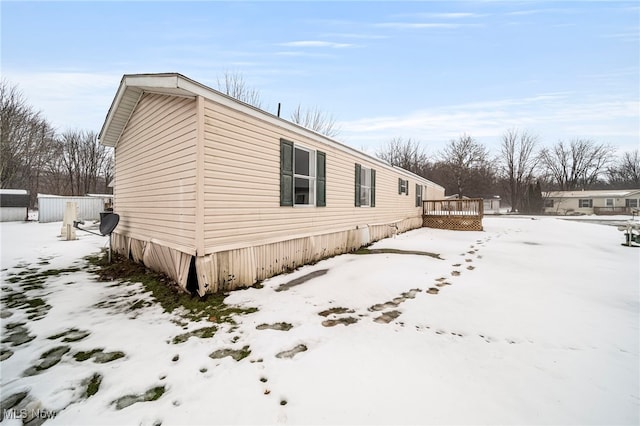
{"x": 51, "y": 207}
{"x": 14, "y": 205}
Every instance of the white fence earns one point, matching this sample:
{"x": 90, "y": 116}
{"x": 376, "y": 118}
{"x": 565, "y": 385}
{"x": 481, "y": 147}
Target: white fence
{"x": 51, "y": 207}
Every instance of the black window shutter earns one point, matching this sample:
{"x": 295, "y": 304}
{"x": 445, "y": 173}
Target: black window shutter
{"x": 321, "y": 178}
{"x": 407, "y": 184}
{"x": 286, "y": 173}
{"x": 373, "y": 188}
{"x": 357, "y": 199}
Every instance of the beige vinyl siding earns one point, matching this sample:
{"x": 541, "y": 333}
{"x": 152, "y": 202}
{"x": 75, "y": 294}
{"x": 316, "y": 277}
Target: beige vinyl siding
{"x": 155, "y": 172}
{"x": 242, "y": 185}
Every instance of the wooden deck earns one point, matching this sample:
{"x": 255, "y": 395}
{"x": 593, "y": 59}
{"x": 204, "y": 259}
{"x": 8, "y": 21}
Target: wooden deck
{"x": 458, "y": 214}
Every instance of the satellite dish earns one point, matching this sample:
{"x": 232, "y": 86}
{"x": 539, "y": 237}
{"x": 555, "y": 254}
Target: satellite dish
{"x": 109, "y": 223}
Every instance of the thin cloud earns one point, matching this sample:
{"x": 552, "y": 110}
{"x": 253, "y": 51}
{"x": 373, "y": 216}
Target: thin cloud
{"x": 443, "y": 15}
{"x": 302, "y": 53}
{"x": 526, "y": 12}
{"x": 316, "y": 43}
{"x": 420, "y": 25}
{"x": 631, "y": 36}
{"x": 554, "y": 115}
{"x": 68, "y": 93}
{"x": 357, "y": 36}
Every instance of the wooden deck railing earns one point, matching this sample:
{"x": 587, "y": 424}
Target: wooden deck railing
{"x": 463, "y": 207}
{"x": 611, "y": 210}
{"x": 458, "y": 214}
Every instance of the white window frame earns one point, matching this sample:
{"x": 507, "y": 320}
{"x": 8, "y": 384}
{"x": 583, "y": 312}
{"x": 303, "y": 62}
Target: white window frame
{"x": 609, "y": 202}
{"x": 311, "y": 178}
{"x": 365, "y": 184}
{"x": 628, "y": 201}
{"x": 404, "y": 186}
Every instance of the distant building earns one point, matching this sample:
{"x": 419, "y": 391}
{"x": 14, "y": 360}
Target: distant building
{"x": 51, "y": 208}
{"x": 14, "y": 205}
{"x": 601, "y": 202}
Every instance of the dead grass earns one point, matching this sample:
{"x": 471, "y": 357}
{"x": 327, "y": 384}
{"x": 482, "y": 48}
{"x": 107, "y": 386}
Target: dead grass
{"x": 165, "y": 291}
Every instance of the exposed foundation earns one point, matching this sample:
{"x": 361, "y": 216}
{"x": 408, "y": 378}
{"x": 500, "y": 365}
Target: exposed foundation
{"x": 243, "y": 267}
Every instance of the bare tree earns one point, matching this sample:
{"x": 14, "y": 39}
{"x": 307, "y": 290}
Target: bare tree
{"x": 26, "y": 141}
{"x": 578, "y": 165}
{"x": 233, "y": 84}
{"x": 464, "y": 161}
{"x": 404, "y": 153}
{"x": 82, "y": 159}
{"x": 316, "y": 120}
{"x": 16, "y": 122}
{"x": 625, "y": 173}
{"x": 517, "y": 162}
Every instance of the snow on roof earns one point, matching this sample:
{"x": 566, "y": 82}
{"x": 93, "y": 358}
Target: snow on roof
{"x": 14, "y": 191}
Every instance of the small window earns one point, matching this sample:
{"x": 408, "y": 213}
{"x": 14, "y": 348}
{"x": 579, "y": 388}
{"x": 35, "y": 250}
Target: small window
{"x": 302, "y": 175}
{"x": 631, "y": 202}
{"x": 609, "y": 202}
{"x": 365, "y": 186}
{"x": 418, "y": 195}
{"x": 585, "y": 203}
{"x": 548, "y": 203}
{"x": 403, "y": 186}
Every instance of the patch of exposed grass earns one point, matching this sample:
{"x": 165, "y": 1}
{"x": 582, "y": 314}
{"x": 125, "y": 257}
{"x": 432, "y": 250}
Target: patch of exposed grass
{"x": 49, "y": 359}
{"x": 18, "y": 335}
{"x": 281, "y": 326}
{"x": 365, "y": 250}
{"x": 10, "y": 402}
{"x": 165, "y": 291}
{"x": 34, "y": 278}
{"x": 150, "y": 395}
{"x": 104, "y": 357}
{"x": 203, "y": 333}
{"x": 98, "y": 355}
{"x": 93, "y": 385}
{"x": 83, "y": 356}
{"x": 236, "y": 354}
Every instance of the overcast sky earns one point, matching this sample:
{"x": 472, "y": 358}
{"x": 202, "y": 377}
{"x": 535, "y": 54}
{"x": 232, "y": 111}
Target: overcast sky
{"x": 425, "y": 70}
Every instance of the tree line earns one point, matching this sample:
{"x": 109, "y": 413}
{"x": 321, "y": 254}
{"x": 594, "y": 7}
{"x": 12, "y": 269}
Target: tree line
{"x": 36, "y": 157}
{"x": 518, "y": 173}
{"x": 521, "y": 169}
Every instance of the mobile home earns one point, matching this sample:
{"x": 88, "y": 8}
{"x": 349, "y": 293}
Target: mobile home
{"x": 602, "y": 202}
{"x": 219, "y": 194}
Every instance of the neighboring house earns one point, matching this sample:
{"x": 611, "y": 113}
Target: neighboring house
{"x": 14, "y": 205}
{"x": 219, "y": 194}
{"x": 604, "y": 202}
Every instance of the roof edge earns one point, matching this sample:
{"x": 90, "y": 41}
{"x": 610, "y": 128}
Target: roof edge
{"x": 176, "y": 82}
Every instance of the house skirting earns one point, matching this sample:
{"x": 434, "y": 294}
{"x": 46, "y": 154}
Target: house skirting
{"x": 454, "y": 222}
{"x": 243, "y": 267}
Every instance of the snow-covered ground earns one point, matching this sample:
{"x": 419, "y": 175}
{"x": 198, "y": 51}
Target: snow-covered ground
{"x": 533, "y": 321}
